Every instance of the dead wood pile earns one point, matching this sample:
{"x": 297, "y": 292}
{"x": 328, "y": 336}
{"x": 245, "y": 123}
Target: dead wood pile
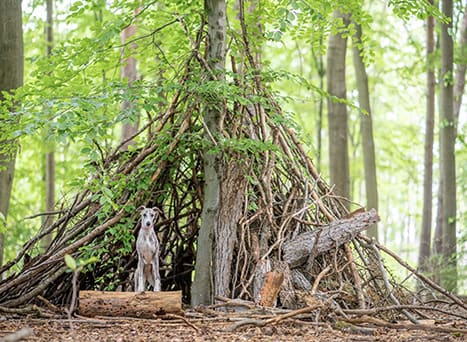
{"x": 290, "y": 220}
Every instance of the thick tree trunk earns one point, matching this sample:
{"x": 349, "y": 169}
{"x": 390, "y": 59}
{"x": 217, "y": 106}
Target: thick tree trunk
{"x": 425, "y": 239}
{"x": 50, "y": 153}
{"x": 11, "y": 77}
{"x": 130, "y": 304}
{"x": 366, "y": 130}
{"x": 447, "y": 156}
{"x": 325, "y": 238}
{"x": 337, "y": 112}
{"x": 129, "y": 73}
{"x": 202, "y": 289}
{"x": 225, "y": 236}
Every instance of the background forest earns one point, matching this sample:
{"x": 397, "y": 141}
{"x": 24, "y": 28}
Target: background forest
{"x": 77, "y": 97}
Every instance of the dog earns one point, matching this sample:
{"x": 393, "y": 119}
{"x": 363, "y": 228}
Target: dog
{"x": 148, "y": 249}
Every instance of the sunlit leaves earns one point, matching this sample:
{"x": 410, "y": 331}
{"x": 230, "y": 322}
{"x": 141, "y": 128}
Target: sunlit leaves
{"x": 417, "y": 8}
{"x": 70, "y": 262}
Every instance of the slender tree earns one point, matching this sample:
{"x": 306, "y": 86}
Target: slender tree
{"x": 447, "y": 156}
{"x": 50, "y": 153}
{"x": 461, "y": 67}
{"x": 366, "y": 128}
{"x": 11, "y": 77}
{"x": 319, "y": 64}
{"x": 202, "y": 289}
{"x": 425, "y": 238}
{"x": 337, "y": 110}
{"x": 459, "y": 85}
{"x": 129, "y": 73}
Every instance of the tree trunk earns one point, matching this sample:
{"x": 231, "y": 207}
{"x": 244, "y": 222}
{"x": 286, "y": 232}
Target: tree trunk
{"x": 459, "y": 79}
{"x": 129, "y": 304}
{"x": 11, "y": 77}
{"x": 202, "y": 289}
{"x": 447, "y": 157}
{"x": 129, "y": 73}
{"x": 50, "y": 150}
{"x": 366, "y": 130}
{"x": 319, "y": 64}
{"x": 337, "y": 112}
{"x": 425, "y": 238}
{"x": 333, "y": 235}
{"x": 225, "y": 235}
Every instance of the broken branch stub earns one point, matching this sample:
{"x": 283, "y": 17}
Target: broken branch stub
{"x": 271, "y": 287}
{"x": 330, "y": 236}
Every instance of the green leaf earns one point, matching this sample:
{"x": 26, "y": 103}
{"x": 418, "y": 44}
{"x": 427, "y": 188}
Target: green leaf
{"x": 85, "y": 150}
{"x": 70, "y": 262}
{"x": 91, "y": 260}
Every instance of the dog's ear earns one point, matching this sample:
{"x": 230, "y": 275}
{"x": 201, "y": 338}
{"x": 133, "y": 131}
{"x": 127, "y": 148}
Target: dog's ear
{"x": 141, "y": 208}
{"x": 157, "y": 210}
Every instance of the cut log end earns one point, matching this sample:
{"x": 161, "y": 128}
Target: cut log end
{"x": 130, "y": 304}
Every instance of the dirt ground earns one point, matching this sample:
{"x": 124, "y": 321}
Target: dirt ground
{"x": 204, "y": 330}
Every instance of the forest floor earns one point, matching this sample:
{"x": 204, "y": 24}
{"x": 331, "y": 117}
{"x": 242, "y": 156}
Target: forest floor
{"x": 208, "y": 329}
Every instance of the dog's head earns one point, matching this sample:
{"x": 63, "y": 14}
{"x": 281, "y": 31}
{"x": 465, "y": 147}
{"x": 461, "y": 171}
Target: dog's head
{"x": 149, "y": 215}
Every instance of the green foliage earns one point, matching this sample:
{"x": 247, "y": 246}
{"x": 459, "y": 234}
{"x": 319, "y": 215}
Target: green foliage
{"x": 70, "y": 262}
{"x": 418, "y": 8}
{"x": 77, "y": 265}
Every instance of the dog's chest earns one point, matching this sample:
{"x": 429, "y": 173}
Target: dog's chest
{"x": 147, "y": 246}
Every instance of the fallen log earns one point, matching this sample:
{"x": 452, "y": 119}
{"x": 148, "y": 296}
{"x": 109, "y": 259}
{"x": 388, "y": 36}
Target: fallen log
{"x": 129, "y": 304}
{"x": 320, "y": 240}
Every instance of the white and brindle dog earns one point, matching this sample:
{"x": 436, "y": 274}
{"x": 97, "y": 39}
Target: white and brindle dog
{"x": 147, "y": 247}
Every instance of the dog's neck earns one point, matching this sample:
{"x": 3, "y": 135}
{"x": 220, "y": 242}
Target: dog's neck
{"x": 147, "y": 229}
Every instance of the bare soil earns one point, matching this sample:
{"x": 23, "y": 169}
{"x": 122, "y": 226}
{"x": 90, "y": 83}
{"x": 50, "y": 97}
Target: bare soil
{"x": 206, "y": 329}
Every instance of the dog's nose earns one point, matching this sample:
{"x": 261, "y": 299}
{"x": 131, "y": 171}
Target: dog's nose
{"x": 148, "y": 223}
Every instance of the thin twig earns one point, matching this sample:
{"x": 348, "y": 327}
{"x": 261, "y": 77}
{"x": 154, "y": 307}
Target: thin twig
{"x": 187, "y": 322}
{"x": 419, "y": 275}
{"x": 377, "y": 310}
{"x": 388, "y": 286}
{"x": 318, "y": 279}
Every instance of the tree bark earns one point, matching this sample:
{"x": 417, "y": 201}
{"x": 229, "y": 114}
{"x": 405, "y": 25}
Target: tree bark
{"x": 202, "y": 288}
{"x": 225, "y": 235}
{"x": 337, "y": 111}
{"x": 447, "y": 156}
{"x": 319, "y": 64}
{"x": 129, "y": 304}
{"x": 325, "y": 238}
{"x": 366, "y": 129}
{"x": 271, "y": 288}
{"x": 425, "y": 238}
{"x": 459, "y": 78}
{"x": 129, "y": 73}
{"x": 11, "y": 77}
{"x": 50, "y": 150}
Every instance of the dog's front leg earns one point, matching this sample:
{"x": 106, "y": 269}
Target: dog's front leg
{"x": 156, "y": 274}
{"x": 139, "y": 276}
{"x": 155, "y": 268}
